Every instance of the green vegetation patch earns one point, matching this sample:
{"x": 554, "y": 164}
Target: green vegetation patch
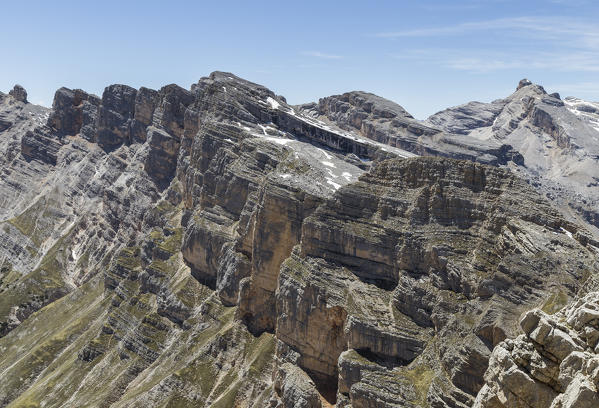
{"x": 129, "y": 258}
{"x": 172, "y": 243}
{"x": 41, "y": 286}
{"x": 421, "y": 378}
{"x": 42, "y": 351}
{"x": 200, "y": 371}
{"x": 35, "y": 221}
{"x": 555, "y": 302}
{"x": 260, "y": 353}
{"x": 296, "y": 267}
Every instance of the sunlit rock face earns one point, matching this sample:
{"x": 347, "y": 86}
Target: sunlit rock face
{"x": 553, "y": 364}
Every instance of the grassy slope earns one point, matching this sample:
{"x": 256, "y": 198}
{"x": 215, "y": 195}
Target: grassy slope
{"x": 212, "y": 360}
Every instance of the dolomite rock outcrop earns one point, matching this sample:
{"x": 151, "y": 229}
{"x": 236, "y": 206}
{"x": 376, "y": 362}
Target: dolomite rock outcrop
{"x": 74, "y": 112}
{"x": 555, "y": 363}
{"x": 125, "y": 198}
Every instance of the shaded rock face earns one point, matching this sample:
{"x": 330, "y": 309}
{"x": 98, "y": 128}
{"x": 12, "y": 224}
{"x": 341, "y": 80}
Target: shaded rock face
{"x": 146, "y": 102}
{"x": 19, "y": 93}
{"x": 217, "y": 247}
{"x": 553, "y": 364}
{"x": 125, "y": 113}
{"x": 74, "y": 112}
{"x": 36, "y": 145}
{"x": 161, "y": 161}
{"x": 115, "y": 116}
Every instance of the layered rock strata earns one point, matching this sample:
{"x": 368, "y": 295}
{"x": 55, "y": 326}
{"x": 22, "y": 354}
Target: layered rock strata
{"x": 219, "y": 247}
{"x": 387, "y": 122}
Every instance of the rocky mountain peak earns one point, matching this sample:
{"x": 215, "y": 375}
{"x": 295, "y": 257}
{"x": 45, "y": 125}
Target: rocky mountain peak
{"x": 526, "y": 87}
{"x": 523, "y": 82}
{"x": 538, "y": 126}
{"x": 387, "y": 122}
{"x": 19, "y": 93}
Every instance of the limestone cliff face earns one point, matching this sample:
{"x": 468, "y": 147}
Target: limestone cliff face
{"x": 148, "y": 213}
{"x": 422, "y": 266}
{"x": 219, "y": 247}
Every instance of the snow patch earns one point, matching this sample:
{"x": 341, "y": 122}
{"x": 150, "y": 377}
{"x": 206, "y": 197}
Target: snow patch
{"x": 328, "y": 156}
{"x": 574, "y": 105}
{"x": 285, "y": 176}
{"x": 329, "y": 164}
{"x": 273, "y": 103}
{"x": 332, "y": 174}
{"x": 335, "y": 185}
{"x": 347, "y": 175}
{"x": 278, "y": 140}
{"x": 243, "y": 127}
{"x": 568, "y": 233}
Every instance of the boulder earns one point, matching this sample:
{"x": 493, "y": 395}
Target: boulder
{"x": 551, "y": 365}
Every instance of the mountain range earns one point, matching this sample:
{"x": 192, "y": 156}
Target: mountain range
{"x": 218, "y": 247}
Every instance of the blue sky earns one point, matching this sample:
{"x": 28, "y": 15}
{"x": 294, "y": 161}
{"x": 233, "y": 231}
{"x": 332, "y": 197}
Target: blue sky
{"x": 425, "y": 55}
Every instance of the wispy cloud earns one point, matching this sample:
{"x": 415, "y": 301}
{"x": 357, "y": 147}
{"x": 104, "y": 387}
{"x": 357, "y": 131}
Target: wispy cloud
{"x": 322, "y": 55}
{"x": 485, "y": 61}
{"x": 548, "y": 28}
{"x": 571, "y": 3}
{"x": 578, "y": 88}
{"x": 552, "y": 43}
